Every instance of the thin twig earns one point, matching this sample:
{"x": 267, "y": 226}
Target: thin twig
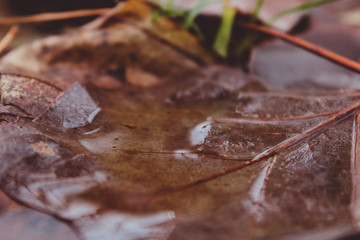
{"x": 333, "y": 57}
{"x": 272, "y": 120}
{"x": 43, "y": 17}
{"x": 4, "y": 43}
{"x": 191, "y": 154}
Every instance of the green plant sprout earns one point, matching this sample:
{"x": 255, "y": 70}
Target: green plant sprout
{"x": 302, "y": 7}
{"x": 221, "y": 43}
{"x": 257, "y": 9}
{"x": 185, "y": 17}
{"x": 252, "y": 37}
{"x": 194, "y": 12}
{"x": 224, "y": 33}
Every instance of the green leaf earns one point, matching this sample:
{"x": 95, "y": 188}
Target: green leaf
{"x": 223, "y": 36}
{"x": 246, "y": 43}
{"x": 193, "y": 13}
{"x": 257, "y": 9}
{"x": 302, "y": 7}
{"x": 169, "y": 6}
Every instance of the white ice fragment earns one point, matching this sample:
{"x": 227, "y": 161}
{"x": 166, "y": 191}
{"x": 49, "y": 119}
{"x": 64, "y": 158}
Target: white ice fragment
{"x": 78, "y": 209}
{"x": 93, "y": 114}
{"x": 74, "y": 108}
{"x": 257, "y": 190}
{"x": 257, "y": 187}
{"x": 93, "y": 131}
{"x": 301, "y": 159}
{"x": 113, "y": 225}
{"x": 181, "y": 154}
{"x": 104, "y": 143}
{"x": 200, "y": 132}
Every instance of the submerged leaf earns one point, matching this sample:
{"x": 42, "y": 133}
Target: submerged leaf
{"x": 181, "y": 149}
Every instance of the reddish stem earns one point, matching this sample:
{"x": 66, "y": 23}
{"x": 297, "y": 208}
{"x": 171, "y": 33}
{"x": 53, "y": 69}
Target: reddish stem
{"x": 190, "y": 154}
{"x": 333, "y": 57}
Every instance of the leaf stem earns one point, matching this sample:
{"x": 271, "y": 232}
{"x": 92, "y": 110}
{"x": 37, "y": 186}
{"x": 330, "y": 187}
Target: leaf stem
{"x": 7, "y": 39}
{"x": 331, "y": 56}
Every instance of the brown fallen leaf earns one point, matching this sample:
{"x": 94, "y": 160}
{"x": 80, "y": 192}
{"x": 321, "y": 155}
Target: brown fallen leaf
{"x": 206, "y": 152}
{"x": 128, "y": 43}
{"x": 195, "y": 147}
{"x": 16, "y": 91}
